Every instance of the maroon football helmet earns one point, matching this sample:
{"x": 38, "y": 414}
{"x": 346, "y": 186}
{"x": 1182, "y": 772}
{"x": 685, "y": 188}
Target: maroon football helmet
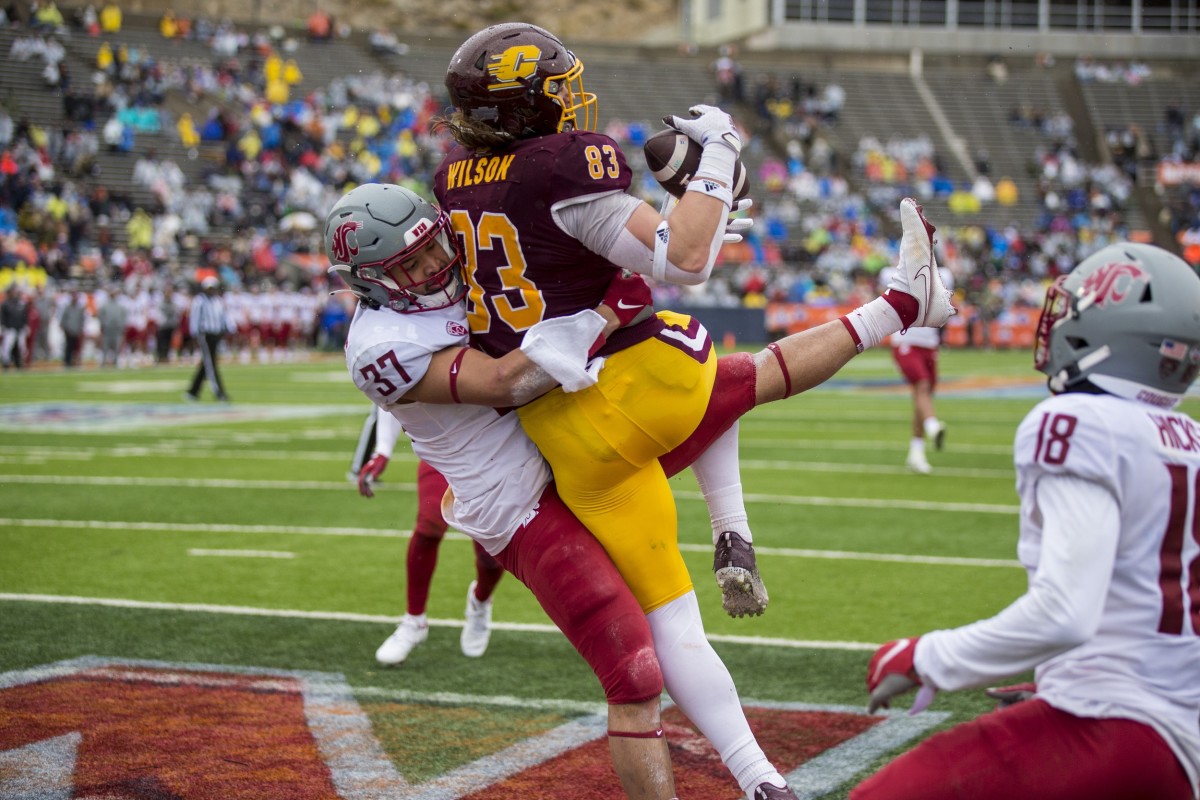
{"x": 511, "y": 78}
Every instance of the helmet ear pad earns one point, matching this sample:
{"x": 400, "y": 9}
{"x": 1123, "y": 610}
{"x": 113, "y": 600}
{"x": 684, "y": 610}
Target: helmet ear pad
{"x": 1126, "y": 320}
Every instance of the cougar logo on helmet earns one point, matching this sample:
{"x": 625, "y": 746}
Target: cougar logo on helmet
{"x": 1112, "y": 282}
{"x": 339, "y": 243}
{"x": 513, "y": 64}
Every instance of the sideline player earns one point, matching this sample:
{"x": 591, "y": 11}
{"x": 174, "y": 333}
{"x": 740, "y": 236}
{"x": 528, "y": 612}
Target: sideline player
{"x": 915, "y": 352}
{"x": 1109, "y": 479}
{"x": 387, "y": 244}
{"x": 379, "y": 435}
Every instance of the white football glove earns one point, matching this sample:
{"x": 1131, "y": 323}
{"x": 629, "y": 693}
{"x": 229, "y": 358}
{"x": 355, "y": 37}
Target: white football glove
{"x": 734, "y": 228}
{"x": 708, "y": 124}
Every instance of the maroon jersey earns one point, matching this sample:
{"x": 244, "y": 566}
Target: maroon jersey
{"x": 521, "y": 267}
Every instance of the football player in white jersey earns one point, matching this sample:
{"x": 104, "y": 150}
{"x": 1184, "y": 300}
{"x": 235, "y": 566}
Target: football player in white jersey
{"x": 407, "y": 351}
{"x": 399, "y": 257}
{"x": 1109, "y": 480}
{"x": 915, "y": 352}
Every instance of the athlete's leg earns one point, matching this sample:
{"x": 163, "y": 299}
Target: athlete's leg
{"x": 366, "y": 444}
{"x": 1035, "y": 752}
{"x": 426, "y": 539}
{"x": 699, "y": 683}
{"x": 583, "y": 594}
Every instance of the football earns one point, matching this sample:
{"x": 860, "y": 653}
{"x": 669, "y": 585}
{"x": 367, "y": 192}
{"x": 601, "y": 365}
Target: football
{"x": 673, "y": 158}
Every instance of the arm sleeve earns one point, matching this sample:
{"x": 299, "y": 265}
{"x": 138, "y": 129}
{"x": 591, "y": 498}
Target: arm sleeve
{"x": 598, "y": 222}
{"x": 1062, "y": 606}
{"x": 387, "y": 431}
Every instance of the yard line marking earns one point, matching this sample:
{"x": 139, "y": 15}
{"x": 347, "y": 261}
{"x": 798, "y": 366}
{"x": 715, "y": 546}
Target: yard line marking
{"x": 197, "y": 551}
{"x": 341, "y": 486}
{"x": 878, "y": 469}
{"x": 199, "y": 527}
{"x": 749, "y": 440}
{"x": 847, "y": 555}
{"x": 20, "y": 455}
{"x": 346, "y": 616}
{"x": 206, "y": 527}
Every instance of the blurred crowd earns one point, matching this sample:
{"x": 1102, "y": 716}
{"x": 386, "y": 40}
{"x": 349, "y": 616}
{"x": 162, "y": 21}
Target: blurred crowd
{"x": 258, "y": 153}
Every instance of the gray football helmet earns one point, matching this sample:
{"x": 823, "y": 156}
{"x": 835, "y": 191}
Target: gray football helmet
{"x": 369, "y": 234}
{"x": 1127, "y": 321}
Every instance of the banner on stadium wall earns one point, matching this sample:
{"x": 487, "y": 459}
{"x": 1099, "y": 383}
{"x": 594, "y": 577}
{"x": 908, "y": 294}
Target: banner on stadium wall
{"x": 1014, "y": 329}
{"x": 1172, "y": 173}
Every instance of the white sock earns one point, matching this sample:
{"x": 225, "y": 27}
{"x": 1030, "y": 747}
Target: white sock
{"x": 916, "y": 446}
{"x": 874, "y": 322}
{"x": 421, "y": 620}
{"x": 699, "y": 683}
{"x": 931, "y": 426}
{"x": 719, "y": 474}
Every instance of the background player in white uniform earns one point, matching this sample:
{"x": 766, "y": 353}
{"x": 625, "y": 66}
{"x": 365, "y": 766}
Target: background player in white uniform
{"x": 915, "y": 352}
{"x": 1109, "y": 479}
{"x": 376, "y": 444}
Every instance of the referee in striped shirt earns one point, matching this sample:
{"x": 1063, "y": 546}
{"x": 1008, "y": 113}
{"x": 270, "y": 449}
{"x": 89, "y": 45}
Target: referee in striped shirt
{"x": 209, "y": 322}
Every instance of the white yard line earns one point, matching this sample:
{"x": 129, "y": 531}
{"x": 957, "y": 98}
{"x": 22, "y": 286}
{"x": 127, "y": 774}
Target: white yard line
{"x": 342, "y": 486}
{"x": 344, "y": 616}
{"x": 196, "y": 551}
{"x": 197, "y": 527}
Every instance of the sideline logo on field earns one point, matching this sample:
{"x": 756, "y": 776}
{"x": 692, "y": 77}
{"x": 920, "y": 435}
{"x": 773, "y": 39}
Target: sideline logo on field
{"x": 105, "y": 417}
{"x": 124, "y": 728}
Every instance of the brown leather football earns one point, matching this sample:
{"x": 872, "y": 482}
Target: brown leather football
{"x": 673, "y": 158}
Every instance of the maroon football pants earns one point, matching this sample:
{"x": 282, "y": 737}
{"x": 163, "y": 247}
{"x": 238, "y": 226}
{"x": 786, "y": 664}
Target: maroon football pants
{"x": 583, "y": 594}
{"x": 1033, "y": 751}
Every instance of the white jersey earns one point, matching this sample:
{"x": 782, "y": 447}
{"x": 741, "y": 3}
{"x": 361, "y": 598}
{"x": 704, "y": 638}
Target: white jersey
{"x": 495, "y": 472}
{"x": 1142, "y": 464}
{"x": 918, "y": 337}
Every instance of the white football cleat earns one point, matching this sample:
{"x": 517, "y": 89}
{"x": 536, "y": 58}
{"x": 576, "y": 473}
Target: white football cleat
{"x": 478, "y": 628}
{"x": 917, "y": 273}
{"x": 918, "y": 463}
{"x": 939, "y": 436}
{"x": 408, "y": 634}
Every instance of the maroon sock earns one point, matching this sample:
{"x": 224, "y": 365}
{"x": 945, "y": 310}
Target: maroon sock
{"x": 421, "y": 562}
{"x": 487, "y": 574}
{"x": 906, "y": 307}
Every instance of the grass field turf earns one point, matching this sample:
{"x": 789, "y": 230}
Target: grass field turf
{"x": 112, "y": 489}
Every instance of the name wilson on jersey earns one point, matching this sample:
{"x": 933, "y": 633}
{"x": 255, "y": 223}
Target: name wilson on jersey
{"x": 472, "y": 171}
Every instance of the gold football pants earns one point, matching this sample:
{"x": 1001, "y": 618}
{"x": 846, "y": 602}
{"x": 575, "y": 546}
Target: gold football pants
{"x": 604, "y": 442}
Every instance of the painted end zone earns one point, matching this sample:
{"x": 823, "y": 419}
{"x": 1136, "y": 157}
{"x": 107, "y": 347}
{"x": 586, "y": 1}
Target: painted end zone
{"x": 94, "y": 727}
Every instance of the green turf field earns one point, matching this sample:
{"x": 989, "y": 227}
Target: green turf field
{"x": 133, "y": 525}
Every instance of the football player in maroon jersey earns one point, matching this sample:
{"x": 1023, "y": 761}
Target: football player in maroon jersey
{"x": 539, "y": 202}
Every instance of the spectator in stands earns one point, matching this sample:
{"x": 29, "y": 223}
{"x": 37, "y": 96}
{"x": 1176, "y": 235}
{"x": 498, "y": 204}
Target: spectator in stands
{"x": 728, "y": 74}
{"x": 47, "y": 17}
{"x": 320, "y": 26}
{"x": 89, "y": 20}
{"x": 168, "y": 26}
{"x": 110, "y": 17}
